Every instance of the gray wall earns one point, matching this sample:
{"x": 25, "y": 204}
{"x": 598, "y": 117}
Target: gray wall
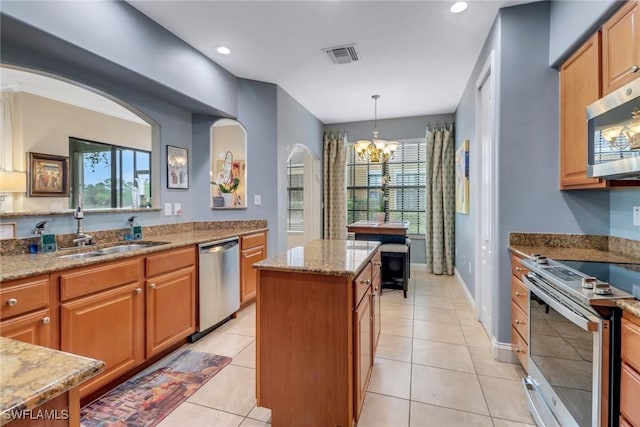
{"x": 622, "y": 202}
{"x": 183, "y": 108}
{"x": 528, "y": 196}
{"x": 296, "y": 125}
{"x": 572, "y": 22}
{"x": 118, "y": 33}
{"x": 400, "y": 128}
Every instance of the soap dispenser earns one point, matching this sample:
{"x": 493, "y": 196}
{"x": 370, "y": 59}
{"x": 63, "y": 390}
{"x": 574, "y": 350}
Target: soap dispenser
{"x": 44, "y": 241}
{"x": 135, "y": 230}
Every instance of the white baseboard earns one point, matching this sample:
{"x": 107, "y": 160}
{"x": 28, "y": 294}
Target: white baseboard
{"x": 501, "y": 351}
{"x": 465, "y": 289}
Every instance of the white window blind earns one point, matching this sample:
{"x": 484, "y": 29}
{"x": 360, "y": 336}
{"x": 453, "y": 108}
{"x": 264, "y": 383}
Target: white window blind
{"x": 406, "y": 189}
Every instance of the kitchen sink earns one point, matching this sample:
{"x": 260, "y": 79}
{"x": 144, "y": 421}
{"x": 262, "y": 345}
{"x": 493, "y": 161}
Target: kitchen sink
{"x": 112, "y": 250}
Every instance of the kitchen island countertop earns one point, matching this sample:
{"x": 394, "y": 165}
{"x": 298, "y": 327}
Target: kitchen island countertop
{"x": 32, "y": 375}
{"x": 329, "y": 257}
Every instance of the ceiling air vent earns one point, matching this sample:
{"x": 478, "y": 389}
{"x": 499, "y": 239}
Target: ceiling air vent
{"x": 342, "y": 54}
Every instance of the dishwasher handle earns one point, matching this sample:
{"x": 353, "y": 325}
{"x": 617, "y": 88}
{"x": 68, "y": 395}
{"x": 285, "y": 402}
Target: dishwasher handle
{"x": 218, "y": 247}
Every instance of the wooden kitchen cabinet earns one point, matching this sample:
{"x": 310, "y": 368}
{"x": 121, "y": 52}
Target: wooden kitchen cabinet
{"x": 363, "y": 350}
{"x": 519, "y": 311}
{"x": 630, "y": 372}
{"x": 25, "y": 310}
{"x": 579, "y": 87}
{"x": 170, "y": 301}
{"x": 102, "y": 316}
{"x": 621, "y": 47}
{"x": 253, "y": 248}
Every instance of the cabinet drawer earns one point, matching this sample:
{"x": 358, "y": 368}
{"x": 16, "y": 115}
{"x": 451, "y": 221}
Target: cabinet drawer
{"x": 23, "y": 296}
{"x": 520, "y": 348}
{"x": 517, "y": 269}
{"x": 252, "y": 240}
{"x": 630, "y": 342}
{"x": 33, "y": 328}
{"x": 170, "y": 261}
{"x": 361, "y": 284}
{"x": 519, "y": 320}
{"x": 85, "y": 281}
{"x": 520, "y": 294}
{"x": 629, "y": 392}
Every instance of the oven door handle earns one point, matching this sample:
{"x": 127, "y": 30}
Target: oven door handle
{"x": 579, "y": 319}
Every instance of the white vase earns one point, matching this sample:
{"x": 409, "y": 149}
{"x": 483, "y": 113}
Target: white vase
{"x": 228, "y": 199}
{"x": 379, "y": 217}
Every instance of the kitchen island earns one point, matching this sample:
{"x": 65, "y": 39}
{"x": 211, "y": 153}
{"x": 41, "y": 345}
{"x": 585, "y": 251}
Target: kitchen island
{"x": 39, "y": 383}
{"x": 318, "y": 319}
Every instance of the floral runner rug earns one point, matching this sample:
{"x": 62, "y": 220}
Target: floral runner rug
{"x": 151, "y": 395}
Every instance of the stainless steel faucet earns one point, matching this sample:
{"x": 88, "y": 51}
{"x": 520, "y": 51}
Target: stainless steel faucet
{"x": 81, "y": 238}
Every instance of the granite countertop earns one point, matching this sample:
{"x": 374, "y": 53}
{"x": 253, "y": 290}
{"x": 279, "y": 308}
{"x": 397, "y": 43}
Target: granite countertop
{"x": 632, "y": 306}
{"x": 25, "y": 265}
{"x": 32, "y": 375}
{"x": 330, "y": 257}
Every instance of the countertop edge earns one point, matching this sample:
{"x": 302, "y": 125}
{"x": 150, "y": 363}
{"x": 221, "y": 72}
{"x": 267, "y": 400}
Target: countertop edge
{"x": 573, "y": 254}
{"x": 75, "y": 263}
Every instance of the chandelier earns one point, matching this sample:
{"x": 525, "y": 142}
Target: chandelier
{"x": 376, "y": 150}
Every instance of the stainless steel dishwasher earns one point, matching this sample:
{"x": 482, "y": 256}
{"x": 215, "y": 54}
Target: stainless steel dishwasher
{"x": 219, "y": 283}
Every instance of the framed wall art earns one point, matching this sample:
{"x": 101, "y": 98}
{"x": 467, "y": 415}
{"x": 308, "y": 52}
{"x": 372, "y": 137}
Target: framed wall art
{"x": 462, "y": 178}
{"x": 48, "y": 175}
{"x": 177, "y": 167}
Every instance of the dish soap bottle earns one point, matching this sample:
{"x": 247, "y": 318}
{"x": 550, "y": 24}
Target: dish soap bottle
{"x": 135, "y": 229}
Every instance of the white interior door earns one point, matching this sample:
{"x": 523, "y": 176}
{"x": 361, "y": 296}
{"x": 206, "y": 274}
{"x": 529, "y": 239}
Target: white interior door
{"x": 484, "y": 190}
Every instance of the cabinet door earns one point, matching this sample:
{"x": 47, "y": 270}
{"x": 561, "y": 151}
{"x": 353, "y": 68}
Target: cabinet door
{"x": 621, "y": 47}
{"x": 579, "y": 87}
{"x": 248, "y": 275}
{"x": 170, "y": 309}
{"x": 363, "y": 351}
{"x": 107, "y": 326}
{"x": 34, "y": 328}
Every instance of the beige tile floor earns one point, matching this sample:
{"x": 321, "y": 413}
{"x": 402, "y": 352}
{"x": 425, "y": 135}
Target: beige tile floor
{"x": 433, "y": 367}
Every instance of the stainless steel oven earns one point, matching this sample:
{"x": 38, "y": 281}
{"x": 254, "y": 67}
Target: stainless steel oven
{"x": 572, "y": 346}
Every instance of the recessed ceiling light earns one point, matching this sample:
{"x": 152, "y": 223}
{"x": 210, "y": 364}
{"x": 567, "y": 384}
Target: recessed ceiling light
{"x": 223, "y": 50}
{"x": 458, "y": 7}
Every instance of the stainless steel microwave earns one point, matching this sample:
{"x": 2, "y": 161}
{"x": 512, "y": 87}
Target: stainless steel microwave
{"x": 613, "y": 124}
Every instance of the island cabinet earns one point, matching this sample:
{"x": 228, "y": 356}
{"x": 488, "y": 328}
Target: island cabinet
{"x": 102, "y": 316}
{"x": 519, "y": 311}
{"x": 630, "y": 372}
{"x": 621, "y": 47}
{"x": 315, "y": 333}
{"x": 25, "y": 313}
{"x": 170, "y": 298}
{"x": 253, "y": 248}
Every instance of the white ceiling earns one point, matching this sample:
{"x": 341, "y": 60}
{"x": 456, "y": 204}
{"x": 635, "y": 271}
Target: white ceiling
{"x": 416, "y": 54}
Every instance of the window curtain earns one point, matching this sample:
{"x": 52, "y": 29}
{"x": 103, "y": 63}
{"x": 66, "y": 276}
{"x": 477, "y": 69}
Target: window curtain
{"x": 440, "y": 195}
{"x": 335, "y": 193}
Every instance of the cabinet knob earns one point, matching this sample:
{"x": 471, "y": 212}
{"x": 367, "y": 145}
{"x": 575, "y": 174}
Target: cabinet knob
{"x": 516, "y": 349}
{"x": 366, "y": 282}
{"x": 46, "y": 320}
{"x": 634, "y": 69}
{"x": 519, "y": 268}
{"x": 152, "y": 286}
{"x": 518, "y": 294}
{"x": 138, "y": 291}
{"x": 378, "y": 263}
{"x": 11, "y": 302}
{"x": 519, "y": 322}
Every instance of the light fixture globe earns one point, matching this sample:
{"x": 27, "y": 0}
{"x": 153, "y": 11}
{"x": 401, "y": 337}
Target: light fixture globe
{"x": 375, "y": 150}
